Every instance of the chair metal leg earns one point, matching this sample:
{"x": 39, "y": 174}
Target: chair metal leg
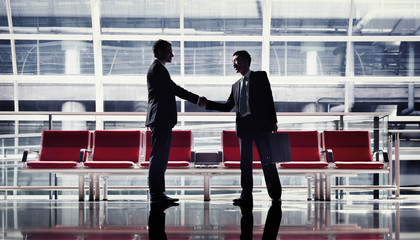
{"x": 105, "y": 188}
{"x": 91, "y": 186}
{"x": 206, "y": 187}
{"x": 81, "y": 187}
{"x": 317, "y": 186}
{"x": 327, "y": 187}
{"x": 97, "y": 187}
{"x": 321, "y": 187}
{"x": 309, "y": 198}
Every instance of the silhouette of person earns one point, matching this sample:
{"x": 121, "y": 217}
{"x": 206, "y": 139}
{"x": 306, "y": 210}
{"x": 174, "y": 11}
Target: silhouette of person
{"x": 255, "y": 119}
{"x": 162, "y": 116}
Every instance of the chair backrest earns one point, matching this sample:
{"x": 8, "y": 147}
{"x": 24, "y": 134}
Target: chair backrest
{"x": 181, "y": 145}
{"x": 304, "y": 145}
{"x": 231, "y": 149}
{"x": 116, "y": 145}
{"x": 63, "y": 145}
{"x": 351, "y": 146}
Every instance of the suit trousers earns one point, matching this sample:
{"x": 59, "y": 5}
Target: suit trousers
{"x": 271, "y": 175}
{"x": 159, "y": 155}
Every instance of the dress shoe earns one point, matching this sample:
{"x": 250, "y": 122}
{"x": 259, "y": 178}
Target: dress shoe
{"x": 243, "y": 200}
{"x": 162, "y": 198}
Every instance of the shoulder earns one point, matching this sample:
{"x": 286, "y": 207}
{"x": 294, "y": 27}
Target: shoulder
{"x": 259, "y": 73}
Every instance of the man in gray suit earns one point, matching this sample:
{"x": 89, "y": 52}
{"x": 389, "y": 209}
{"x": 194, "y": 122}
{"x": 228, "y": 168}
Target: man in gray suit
{"x": 162, "y": 117}
{"x": 255, "y": 118}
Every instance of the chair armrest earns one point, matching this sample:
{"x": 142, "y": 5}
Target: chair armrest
{"x": 82, "y": 154}
{"x": 220, "y": 156}
{"x": 328, "y": 153}
{"x": 26, "y": 153}
{"x": 193, "y": 156}
{"x": 384, "y": 155}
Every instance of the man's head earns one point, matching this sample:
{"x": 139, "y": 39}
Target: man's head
{"x": 162, "y": 50}
{"x": 241, "y": 61}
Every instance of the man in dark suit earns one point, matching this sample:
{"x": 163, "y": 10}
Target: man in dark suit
{"x": 162, "y": 116}
{"x": 255, "y": 118}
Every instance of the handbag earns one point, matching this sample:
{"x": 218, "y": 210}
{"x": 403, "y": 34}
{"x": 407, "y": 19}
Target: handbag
{"x": 278, "y": 145}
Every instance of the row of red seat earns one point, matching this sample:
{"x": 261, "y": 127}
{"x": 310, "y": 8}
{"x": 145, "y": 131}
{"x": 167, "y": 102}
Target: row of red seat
{"x": 128, "y": 149}
{"x": 105, "y": 149}
{"x": 348, "y": 149}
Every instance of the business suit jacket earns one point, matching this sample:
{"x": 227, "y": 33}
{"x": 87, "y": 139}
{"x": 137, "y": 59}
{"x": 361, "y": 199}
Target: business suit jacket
{"x": 162, "y": 90}
{"x": 261, "y": 104}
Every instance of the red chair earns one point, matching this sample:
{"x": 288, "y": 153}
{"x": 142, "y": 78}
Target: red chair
{"x": 180, "y": 153}
{"x": 360, "y": 236}
{"x": 350, "y": 149}
{"x": 231, "y": 154}
{"x": 305, "y": 149}
{"x": 60, "y": 149}
{"x": 115, "y": 149}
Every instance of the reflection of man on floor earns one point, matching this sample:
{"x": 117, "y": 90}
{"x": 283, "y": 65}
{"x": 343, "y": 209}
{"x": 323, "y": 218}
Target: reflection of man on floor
{"x": 272, "y": 222}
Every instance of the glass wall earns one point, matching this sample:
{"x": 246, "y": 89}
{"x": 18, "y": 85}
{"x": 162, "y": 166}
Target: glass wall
{"x": 300, "y": 44}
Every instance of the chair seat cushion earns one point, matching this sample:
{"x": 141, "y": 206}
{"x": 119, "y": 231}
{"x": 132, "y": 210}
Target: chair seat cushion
{"x": 109, "y": 164}
{"x": 52, "y": 164}
{"x": 303, "y": 164}
{"x": 359, "y": 165}
{"x": 171, "y": 164}
{"x": 237, "y": 164}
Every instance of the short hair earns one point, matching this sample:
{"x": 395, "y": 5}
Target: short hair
{"x": 244, "y": 55}
{"x": 158, "y": 46}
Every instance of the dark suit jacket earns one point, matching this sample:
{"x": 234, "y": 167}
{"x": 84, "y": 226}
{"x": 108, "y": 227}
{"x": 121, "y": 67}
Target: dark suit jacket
{"x": 261, "y": 104}
{"x": 162, "y": 90}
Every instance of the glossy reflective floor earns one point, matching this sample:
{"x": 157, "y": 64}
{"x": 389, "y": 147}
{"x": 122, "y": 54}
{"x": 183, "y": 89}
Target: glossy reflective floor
{"x": 352, "y": 218}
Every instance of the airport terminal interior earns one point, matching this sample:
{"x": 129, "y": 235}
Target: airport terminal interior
{"x": 333, "y": 65}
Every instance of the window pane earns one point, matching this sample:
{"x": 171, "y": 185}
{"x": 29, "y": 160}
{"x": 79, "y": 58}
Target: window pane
{"x": 126, "y": 57}
{"x": 204, "y": 58}
{"x": 132, "y": 57}
{"x": 215, "y": 58}
{"x": 308, "y": 17}
{"x": 60, "y": 97}
{"x": 223, "y": 17}
{"x": 4, "y": 25}
{"x": 308, "y": 58}
{"x": 6, "y": 57}
{"x": 308, "y": 97}
{"x": 390, "y": 17}
{"x": 6, "y": 97}
{"x": 55, "y": 57}
{"x": 126, "y": 97}
{"x": 386, "y": 58}
{"x": 140, "y": 17}
{"x": 51, "y": 16}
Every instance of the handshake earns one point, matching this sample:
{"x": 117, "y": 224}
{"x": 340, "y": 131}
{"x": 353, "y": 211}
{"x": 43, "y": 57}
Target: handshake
{"x": 202, "y": 102}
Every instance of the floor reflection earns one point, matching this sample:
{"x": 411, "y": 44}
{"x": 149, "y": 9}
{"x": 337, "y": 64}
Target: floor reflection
{"x": 218, "y": 219}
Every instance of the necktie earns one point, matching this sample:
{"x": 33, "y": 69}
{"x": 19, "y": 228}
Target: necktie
{"x": 242, "y": 97}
